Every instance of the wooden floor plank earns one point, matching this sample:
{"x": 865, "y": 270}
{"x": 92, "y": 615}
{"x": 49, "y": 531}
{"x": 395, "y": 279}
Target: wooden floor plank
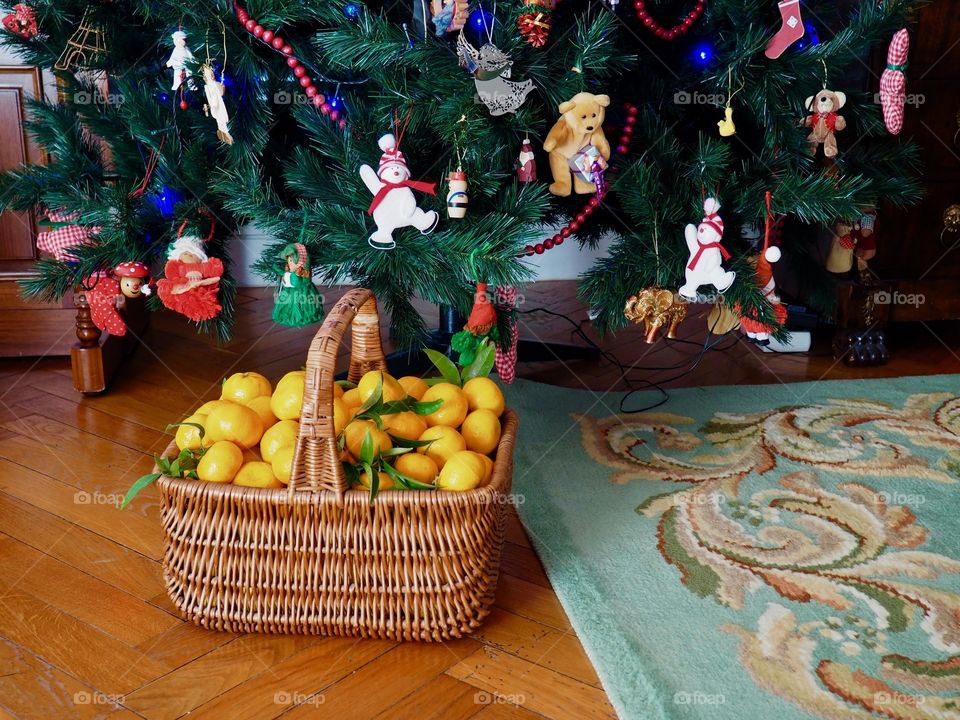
{"x": 207, "y": 677}
{"x": 531, "y": 601}
{"x": 65, "y": 588}
{"x": 298, "y": 680}
{"x": 31, "y": 689}
{"x": 380, "y": 684}
{"x": 80, "y": 548}
{"x": 518, "y": 682}
{"x": 89, "y": 654}
{"x": 443, "y": 698}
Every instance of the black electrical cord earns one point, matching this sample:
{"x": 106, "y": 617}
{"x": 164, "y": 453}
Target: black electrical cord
{"x": 690, "y": 364}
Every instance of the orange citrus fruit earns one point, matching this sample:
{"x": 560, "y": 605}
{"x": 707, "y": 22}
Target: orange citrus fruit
{"x": 351, "y": 398}
{"x": 257, "y": 475}
{"x": 386, "y": 482}
{"x": 418, "y": 467}
{"x": 481, "y": 430}
{"x": 487, "y": 468}
{"x": 407, "y": 425}
{"x": 189, "y": 437}
{"x": 283, "y": 463}
{"x": 445, "y": 442}
{"x": 244, "y": 387}
{"x": 281, "y": 435}
{"x": 220, "y": 462}
{"x": 354, "y": 433}
{"x": 236, "y": 423}
{"x": 207, "y": 407}
{"x": 341, "y": 415}
{"x": 391, "y": 388}
{"x": 337, "y": 390}
{"x": 463, "y": 471}
{"x": 484, "y": 394}
{"x": 292, "y": 375}
{"x": 454, "y": 408}
{"x": 287, "y": 400}
{"x": 413, "y": 386}
{"x": 251, "y": 455}
{"x": 261, "y": 406}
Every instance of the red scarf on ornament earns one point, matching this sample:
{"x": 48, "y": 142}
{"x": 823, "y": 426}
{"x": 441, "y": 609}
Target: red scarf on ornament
{"x": 427, "y": 187}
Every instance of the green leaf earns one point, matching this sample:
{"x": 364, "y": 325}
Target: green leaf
{"x": 366, "y": 449}
{"x": 350, "y": 470}
{"x": 198, "y": 426}
{"x": 395, "y": 406}
{"x": 175, "y": 468}
{"x": 393, "y": 452}
{"x": 139, "y": 485}
{"x": 445, "y": 365}
{"x": 483, "y": 363}
{"x": 346, "y": 384}
{"x": 426, "y": 408}
{"x": 374, "y": 481}
{"x": 163, "y": 464}
{"x": 407, "y": 482}
{"x": 407, "y": 443}
{"x": 375, "y": 396}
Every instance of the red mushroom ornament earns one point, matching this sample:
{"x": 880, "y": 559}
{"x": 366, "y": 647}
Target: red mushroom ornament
{"x": 134, "y": 278}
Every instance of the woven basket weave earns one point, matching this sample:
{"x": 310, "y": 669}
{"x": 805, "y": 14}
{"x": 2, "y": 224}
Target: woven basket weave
{"x": 316, "y": 557}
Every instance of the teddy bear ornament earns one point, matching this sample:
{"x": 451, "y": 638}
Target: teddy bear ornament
{"x": 824, "y": 120}
{"x": 577, "y": 146}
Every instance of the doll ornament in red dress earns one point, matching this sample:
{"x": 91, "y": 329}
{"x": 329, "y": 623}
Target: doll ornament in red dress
{"x": 192, "y": 280}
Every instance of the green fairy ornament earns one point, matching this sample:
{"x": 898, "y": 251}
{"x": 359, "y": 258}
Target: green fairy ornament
{"x": 298, "y": 302}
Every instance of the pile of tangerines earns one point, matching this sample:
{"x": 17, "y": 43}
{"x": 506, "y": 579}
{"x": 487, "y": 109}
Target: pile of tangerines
{"x": 393, "y": 433}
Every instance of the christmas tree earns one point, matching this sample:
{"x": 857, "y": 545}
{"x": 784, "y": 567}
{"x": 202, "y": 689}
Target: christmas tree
{"x": 312, "y": 91}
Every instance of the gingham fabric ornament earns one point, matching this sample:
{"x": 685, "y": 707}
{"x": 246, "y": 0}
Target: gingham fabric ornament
{"x": 65, "y": 235}
{"x": 506, "y": 361}
{"x": 893, "y": 82}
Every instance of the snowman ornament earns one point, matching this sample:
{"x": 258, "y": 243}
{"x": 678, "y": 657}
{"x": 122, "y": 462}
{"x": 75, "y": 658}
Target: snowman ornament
{"x": 394, "y": 205}
{"x": 706, "y": 253}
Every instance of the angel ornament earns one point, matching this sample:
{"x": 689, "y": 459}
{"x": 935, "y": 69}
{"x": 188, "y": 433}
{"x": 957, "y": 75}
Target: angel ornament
{"x": 215, "y": 107}
{"x": 178, "y": 59}
{"x": 491, "y": 68}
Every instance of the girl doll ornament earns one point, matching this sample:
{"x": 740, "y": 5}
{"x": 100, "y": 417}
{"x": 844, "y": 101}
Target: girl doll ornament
{"x": 298, "y": 302}
{"x": 706, "y": 253}
{"x": 394, "y": 205}
{"x": 192, "y": 280}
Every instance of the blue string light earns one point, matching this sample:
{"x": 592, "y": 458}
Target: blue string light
{"x": 702, "y": 54}
{"x": 480, "y": 19}
{"x": 351, "y": 10}
{"x": 165, "y": 200}
{"x": 811, "y": 38}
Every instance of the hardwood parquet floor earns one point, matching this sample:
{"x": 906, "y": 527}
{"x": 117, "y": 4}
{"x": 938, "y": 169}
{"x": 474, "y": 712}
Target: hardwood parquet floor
{"x": 86, "y": 628}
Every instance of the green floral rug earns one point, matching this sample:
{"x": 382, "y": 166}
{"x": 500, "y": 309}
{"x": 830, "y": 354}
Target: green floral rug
{"x": 778, "y": 551}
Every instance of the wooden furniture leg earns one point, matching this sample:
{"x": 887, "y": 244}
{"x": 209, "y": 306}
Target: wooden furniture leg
{"x": 97, "y": 355}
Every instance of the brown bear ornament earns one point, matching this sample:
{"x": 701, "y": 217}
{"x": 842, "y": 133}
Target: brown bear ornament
{"x": 825, "y": 121}
{"x": 579, "y": 128}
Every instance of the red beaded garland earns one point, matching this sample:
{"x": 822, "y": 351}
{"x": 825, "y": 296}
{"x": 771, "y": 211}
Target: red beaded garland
{"x": 300, "y": 72}
{"x": 664, "y": 33}
{"x": 594, "y": 202}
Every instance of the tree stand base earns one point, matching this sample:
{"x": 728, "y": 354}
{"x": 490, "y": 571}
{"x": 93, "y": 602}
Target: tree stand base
{"x": 415, "y": 362}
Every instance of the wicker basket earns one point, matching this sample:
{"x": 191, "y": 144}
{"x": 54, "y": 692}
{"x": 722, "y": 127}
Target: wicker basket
{"x": 316, "y": 557}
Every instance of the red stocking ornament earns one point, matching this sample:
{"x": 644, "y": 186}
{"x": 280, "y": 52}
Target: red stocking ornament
{"x": 791, "y": 30}
{"x": 506, "y": 360}
{"x": 103, "y": 299}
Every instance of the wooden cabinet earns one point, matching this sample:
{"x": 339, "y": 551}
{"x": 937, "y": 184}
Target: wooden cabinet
{"x": 25, "y": 328}
{"x": 914, "y": 252}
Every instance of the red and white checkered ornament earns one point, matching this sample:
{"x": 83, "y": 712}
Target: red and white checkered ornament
{"x": 893, "y": 82}
{"x": 58, "y": 242}
{"x": 506, "y": 361}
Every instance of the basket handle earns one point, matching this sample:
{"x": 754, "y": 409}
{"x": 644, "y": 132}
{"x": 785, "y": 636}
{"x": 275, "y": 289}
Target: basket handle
{"x": 316, "y": 460}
